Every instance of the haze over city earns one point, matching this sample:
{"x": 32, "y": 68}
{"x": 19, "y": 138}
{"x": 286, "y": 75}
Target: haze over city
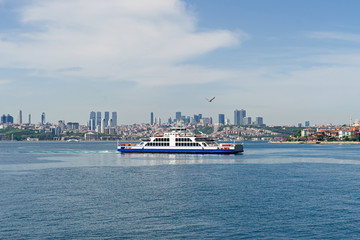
{"x": 286, "y": 61}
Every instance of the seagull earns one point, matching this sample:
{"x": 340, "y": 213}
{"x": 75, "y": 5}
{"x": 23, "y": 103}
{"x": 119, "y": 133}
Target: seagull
{"x": 210, "y": 100}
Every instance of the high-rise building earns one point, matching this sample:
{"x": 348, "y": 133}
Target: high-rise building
{"x": 196, "y": 118}
{"x": 20, "y": 121}
{"x": 222, "y": 118}
{"x": 113, "y": 119}
{"x": 259, "y": 121}
{"x": 43, "y": 121}
{"x": 242, "y": 116}
{"x": 247, "y": 121}
{"x": 103, "y": 126}
{"x": 92, "y": 121}
{"x": 29, "y": 118}
{"x": 307, "y": 123}
{"x": 299, "y": 125}
{"x": 72, "y": 125}
{"x": 98, "y": 119}
{"x": 178, "y": 116}
{"x": 239, "y": 116}
{"x": 61, "y": 125}
{"x": 106, "y": 117}
{"x": 151, "y": 118}
{"x": 7, "y": 119}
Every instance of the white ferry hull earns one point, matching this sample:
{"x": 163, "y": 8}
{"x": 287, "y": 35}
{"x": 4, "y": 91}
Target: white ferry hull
{"x": 206, "y": 150}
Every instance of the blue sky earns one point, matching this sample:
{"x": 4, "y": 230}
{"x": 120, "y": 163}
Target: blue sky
{"x": 287, "y": 61}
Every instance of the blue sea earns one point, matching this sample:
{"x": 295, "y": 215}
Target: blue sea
{"x": 86, "y": 190}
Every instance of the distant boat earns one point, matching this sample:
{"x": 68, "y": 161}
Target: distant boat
{"x": 178, "y": 140}
{"x": 72, "y": 140}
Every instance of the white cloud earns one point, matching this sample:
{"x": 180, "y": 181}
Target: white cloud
{"x": 116, "y": 40}
{"x": 336, "y": 36}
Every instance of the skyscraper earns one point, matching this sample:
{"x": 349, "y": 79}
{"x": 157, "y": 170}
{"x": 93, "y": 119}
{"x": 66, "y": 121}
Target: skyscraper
{"x": 114, "y": 119}
{"x": 7, "y": 119}
{"x": 247, "y": 121}
{"x": 43, "y": 118}
{"x": 20, "y": 117}
{"x": 222, "y": 118}
{"x": 239, "y": 116}
{"x": 151, "y": 118}
{"x": 98, "y": 118}
{"x": 92, "y": 121}
{"x": 242, "y": 116}
{"x": 106, "y": 117}
{"x": 307, "y": 123}
{"x": 178, "y": 116}
{"x": 196, "y": 118}
{"x": 29, "y": 118}
{"x": 236, "y": 117}
{"x": 259, "y": 121}
{"x": 102, "y": 128}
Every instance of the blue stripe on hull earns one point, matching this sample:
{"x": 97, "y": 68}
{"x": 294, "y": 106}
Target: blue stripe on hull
{"x": 200, "y": 151}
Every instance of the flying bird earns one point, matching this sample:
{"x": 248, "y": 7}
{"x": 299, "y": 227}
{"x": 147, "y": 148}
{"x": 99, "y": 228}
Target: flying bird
{"x": 210, "y": 100}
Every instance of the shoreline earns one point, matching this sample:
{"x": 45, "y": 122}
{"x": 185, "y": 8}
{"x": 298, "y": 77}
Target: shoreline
{"x": 313, "y": 142}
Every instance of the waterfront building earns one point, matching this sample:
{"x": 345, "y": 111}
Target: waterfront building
{"x": 43, "y": 120}
{"x": 20, "y": 121}
{"x": 178, "y": 116}
{"x": 103, "y": 126}
{"x": 113, "y": 120}
{"x": 98, "y": 119}
{"x": 57, "y": 130}
{"x": 106, "y": 118}
{"x": 151, "y": 118}
{"x": 61, "y": 125}
{"x": 222, "y": 118}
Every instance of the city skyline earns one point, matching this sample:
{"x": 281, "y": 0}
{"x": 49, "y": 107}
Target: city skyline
{"x": 287, "y": 61}
{"x": 95, "y": 120}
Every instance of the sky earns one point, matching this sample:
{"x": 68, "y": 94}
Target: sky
{"x": 286, "y": 61}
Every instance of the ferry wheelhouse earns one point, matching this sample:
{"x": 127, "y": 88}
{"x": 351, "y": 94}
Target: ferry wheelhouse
{"x": 178, "y": 140}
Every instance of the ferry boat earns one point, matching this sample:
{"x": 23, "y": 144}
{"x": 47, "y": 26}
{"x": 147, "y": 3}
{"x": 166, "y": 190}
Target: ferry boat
{"x": 178, "y": 140}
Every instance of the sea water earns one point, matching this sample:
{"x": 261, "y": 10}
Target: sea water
{"x": 86, "y": 190}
